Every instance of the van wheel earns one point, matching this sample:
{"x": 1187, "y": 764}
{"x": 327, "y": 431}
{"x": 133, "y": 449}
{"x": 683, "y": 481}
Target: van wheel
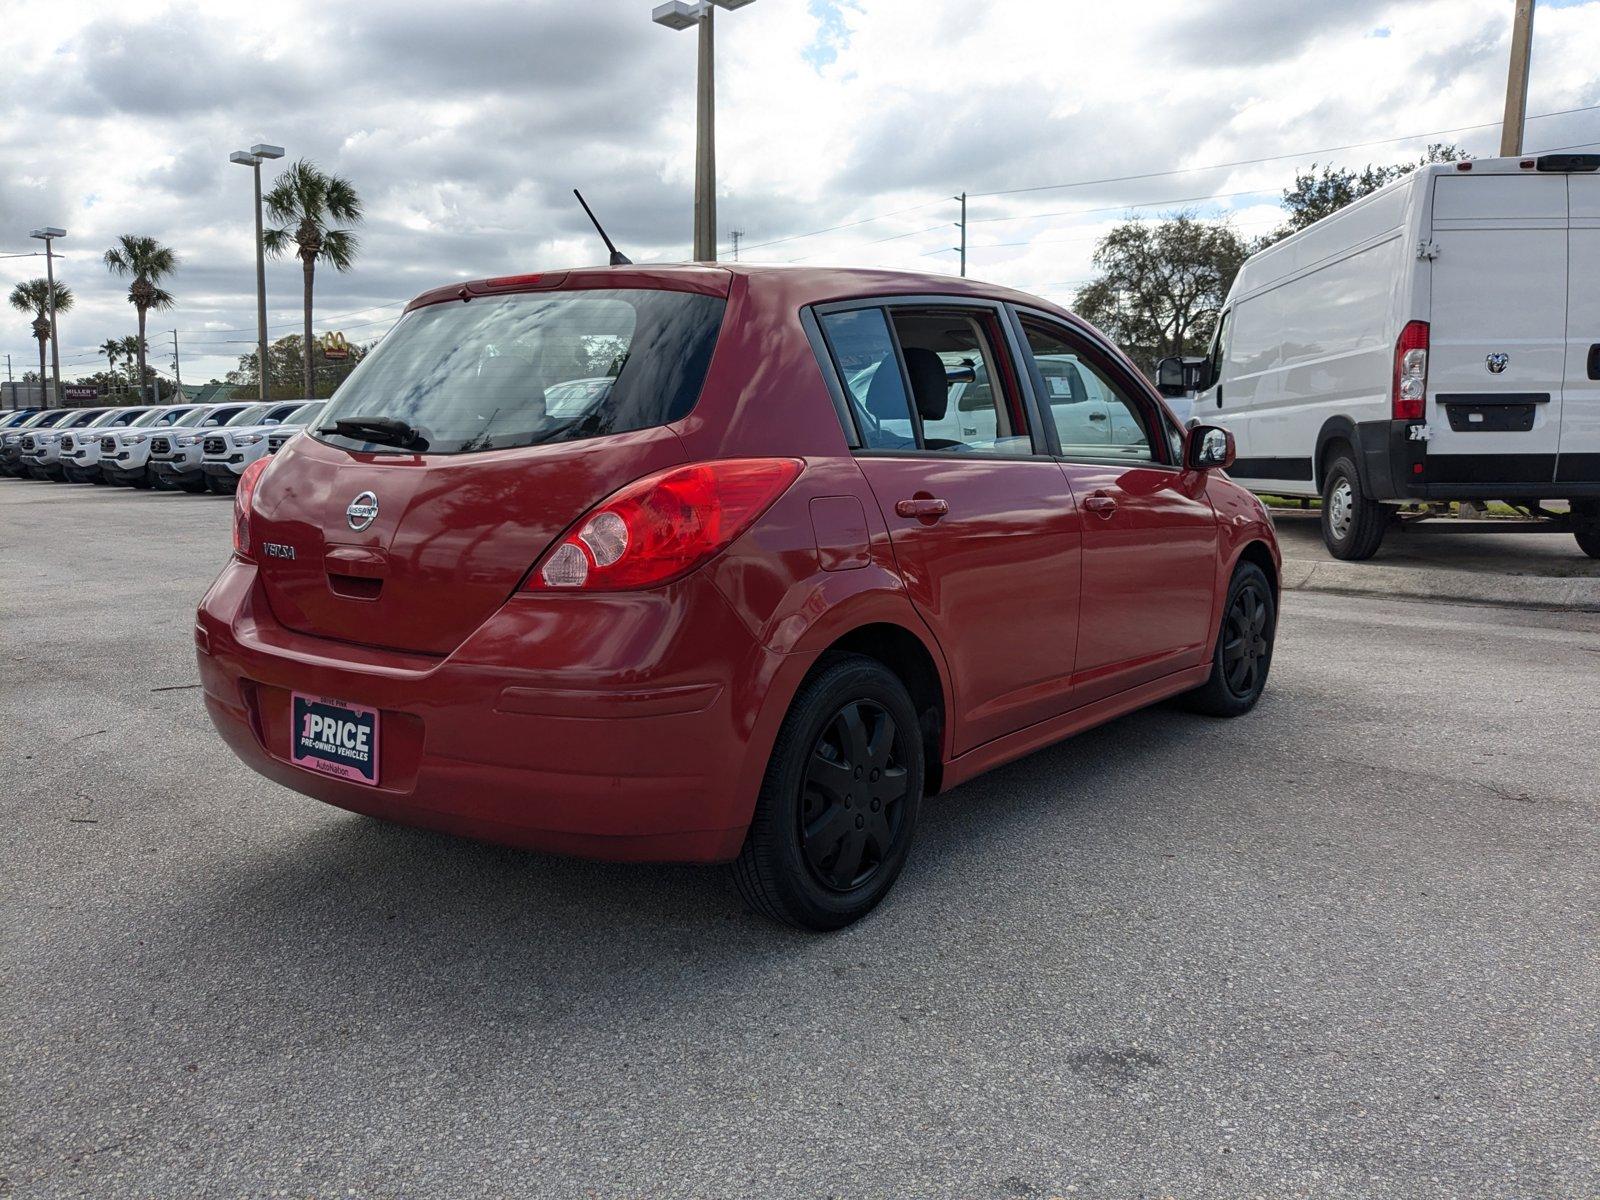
{"x": 1243, "y": 653}
{"x": 1589, "y": 542}
{"x": 838, "y": 807}
{"x": 1352, "y": 526}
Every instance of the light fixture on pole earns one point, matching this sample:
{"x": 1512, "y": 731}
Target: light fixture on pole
{"x": 676, "y": 14}
{"x": 253, "y": 159}
{"x": 48, "y": 235}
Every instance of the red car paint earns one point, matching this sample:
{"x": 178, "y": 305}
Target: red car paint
{"x": 1049, "y": 595}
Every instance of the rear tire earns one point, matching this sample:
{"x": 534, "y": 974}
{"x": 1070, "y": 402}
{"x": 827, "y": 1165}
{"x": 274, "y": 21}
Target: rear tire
{"x": 1243, "y": 653}
{"x": 838, "y": 807}
{"x": 1352, "y": 525}
{"x": 1589, "y": 542}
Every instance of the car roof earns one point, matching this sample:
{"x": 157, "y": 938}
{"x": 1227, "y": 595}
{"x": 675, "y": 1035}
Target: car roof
{"x": 817, "y": 285}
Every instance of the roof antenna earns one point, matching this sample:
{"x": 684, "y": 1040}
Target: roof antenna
{"x": 618, "y": 258}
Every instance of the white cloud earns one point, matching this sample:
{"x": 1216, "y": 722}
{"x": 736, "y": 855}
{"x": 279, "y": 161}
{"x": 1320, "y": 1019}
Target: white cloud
{"x": 466, "y": 125}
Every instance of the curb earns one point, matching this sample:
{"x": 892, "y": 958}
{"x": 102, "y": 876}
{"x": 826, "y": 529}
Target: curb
{"x": 1568, "y": 593}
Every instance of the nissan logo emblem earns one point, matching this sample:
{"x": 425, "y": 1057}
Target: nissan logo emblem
{"x": 363, "y": 511}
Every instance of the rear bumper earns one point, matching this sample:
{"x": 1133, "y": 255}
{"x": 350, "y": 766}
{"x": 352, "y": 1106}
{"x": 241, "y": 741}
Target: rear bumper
{"x": 1396, "y": 467}
{"x": 615, "y": 727}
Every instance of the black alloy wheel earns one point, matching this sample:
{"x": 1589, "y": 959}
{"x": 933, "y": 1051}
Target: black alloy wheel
{"x": 853, "y": 798}
{"x": 1245, "y": 648}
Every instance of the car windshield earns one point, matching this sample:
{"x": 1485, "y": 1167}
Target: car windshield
{"x": 249, "y": 416}
{"x": 190, "y": 419}
{"x": 147, "y": 418}
{"x": 106, "y": 418}
{"x": 82, "y": 420}
{"x": 529, "y": 368}
{"x": 305, "y": 414}
{"x": 49, "y": 418}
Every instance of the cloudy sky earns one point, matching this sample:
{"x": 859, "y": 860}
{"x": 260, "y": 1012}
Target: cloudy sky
{"x": 465, "y": 125}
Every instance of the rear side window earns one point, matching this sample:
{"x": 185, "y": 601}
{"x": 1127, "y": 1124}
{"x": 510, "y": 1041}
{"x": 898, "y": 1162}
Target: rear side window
{"x": 525, "y": 369}
{"x": 864, "y": 349}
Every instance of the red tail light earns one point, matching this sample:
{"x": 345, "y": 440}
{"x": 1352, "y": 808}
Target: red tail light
{"x": 241, "y": 506}
{"x": 1411, "y": 372}
{"x": 663, "y": 526}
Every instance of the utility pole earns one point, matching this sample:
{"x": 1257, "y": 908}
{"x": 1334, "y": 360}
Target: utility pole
{"x": 1517, "y": 80}
{"x": 679, "y": 14}
{"x": 737, "y": 234}
{"x": 177, "y": 369}
{"x": 253, "y": 158}
{"x": 962, "y": 225}
{"x": 48, "y": 235}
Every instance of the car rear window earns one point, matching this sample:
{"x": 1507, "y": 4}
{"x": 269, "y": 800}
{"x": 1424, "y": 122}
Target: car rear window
{"x": 524, "y": 369}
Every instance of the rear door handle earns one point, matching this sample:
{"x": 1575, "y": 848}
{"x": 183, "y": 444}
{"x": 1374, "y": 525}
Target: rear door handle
{"x": 1594, "y": 361}
{"x": 1101, "y": 504}
{"x": 923, "y": 507}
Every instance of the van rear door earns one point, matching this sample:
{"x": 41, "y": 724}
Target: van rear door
{"x": 1580, "y": 400}
{"x": 1497, "y": 338}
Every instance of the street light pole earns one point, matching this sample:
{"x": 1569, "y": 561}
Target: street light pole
{"x": 1517, "y": 81}
{"x": 48, "y": 235}
{"x": 253, "y": 159}
{"x": 676, "y": 14}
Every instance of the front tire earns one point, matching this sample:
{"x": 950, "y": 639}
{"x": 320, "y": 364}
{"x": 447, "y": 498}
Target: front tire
{"x": 837, "y": 811}
{"x": 1352, "y": 525}
{"x": 1243, "y": 653}
{"x": 1589, "y": 542}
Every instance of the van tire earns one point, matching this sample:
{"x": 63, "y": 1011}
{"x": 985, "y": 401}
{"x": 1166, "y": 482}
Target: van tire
{"x": 1589, "y": 542}
{"x": 1250, "y": 611}
{"x": 776, "y": 872}
{"x": 1352, "y": 525}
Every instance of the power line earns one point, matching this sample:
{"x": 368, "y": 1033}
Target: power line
{"x": 298, "y": 324}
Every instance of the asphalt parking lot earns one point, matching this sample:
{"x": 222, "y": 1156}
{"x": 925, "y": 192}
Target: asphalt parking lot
{"x": 1342, "y": 947}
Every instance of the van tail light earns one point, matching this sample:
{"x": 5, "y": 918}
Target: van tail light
{"x": 1411, "y": 372}
{"x": 241, "y": 506}
{"x": 663, "y": 526}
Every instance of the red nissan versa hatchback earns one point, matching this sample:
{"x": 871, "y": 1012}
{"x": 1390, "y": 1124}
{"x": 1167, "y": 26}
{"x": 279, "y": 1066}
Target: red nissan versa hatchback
{"x": 725, "y": 564}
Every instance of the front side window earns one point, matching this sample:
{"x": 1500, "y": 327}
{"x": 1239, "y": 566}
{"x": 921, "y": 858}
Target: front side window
{"x": 1093, "y": 416}
{"x": 530, "y": 368}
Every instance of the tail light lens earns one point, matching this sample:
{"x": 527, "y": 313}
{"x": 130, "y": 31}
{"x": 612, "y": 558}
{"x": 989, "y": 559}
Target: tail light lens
{"x": 241, "y": 507}
{"x": 1411, "y": 372}
{"x": 663, "y": 526}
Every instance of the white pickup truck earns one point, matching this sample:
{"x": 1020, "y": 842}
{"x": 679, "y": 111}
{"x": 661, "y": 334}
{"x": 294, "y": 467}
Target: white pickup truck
{"x": 175, "y": 454}
{"x": 226, "y": 452}
{"x": 125, "y": 453}
{"x": 41, "y": 452}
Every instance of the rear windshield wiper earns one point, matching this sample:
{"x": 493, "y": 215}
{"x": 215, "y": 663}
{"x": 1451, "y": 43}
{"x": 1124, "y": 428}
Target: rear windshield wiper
{"x": 388, "y": 431}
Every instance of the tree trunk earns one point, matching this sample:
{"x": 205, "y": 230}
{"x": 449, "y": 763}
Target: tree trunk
{"x": 308, "y": 350}
{"x": 43, "y": 403}
{"x": 141, "y": 311}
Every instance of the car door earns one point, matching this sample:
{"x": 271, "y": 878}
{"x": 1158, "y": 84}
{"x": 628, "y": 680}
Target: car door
{"x": 1579, "y": 460}
{"x": 1149, "y": 531}
{"x": 982, "y": 524}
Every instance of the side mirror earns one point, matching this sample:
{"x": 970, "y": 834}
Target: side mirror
{"x": 1180, "y": 376}
{"x": 1208, "y": 448}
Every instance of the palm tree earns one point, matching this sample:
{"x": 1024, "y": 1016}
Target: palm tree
{"x": 305, "y": 203}
{"x": 148, "y": 262}
{"x": 130, "y": 349}
{"x": 112, "y": 349}
{"x": 34, "y": 297}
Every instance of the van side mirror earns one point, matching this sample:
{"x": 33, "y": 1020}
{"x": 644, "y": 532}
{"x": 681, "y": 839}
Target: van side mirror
{"x": 1208, "y": 448}
{"x": 1180, "y": 376}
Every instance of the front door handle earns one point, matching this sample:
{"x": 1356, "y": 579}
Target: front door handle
{"x": 1100, "y": 504}
{"x": 1594, "y": 361}
{"x": 923, "y": 507}
{"x": 1219, "y": 395}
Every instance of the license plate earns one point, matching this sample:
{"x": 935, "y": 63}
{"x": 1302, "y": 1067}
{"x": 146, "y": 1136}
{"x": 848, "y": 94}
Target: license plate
{"x": 331, "y": 737}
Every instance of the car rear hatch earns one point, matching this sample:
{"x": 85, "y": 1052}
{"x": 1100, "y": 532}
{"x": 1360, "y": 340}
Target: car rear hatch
{"x": 413, "y": 546}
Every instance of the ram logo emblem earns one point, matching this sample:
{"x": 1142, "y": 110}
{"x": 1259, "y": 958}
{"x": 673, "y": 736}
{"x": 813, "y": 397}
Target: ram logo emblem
{"x": 1496, "y": 362}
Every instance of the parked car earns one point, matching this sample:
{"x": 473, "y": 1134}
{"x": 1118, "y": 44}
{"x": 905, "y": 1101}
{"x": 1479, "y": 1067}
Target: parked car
{"x": 722, "y": 613}
{"x": 279, "y": 437}
{"x": 125, "y": 454}
{"x": 1436, "y": 341}
{"x": 225, "y": 453}
{"x": 175, "y": 454}
{"x": 80, "y": 449}
{"x": 14, "y": 417}
{"x": 41, "y": 450}
{"x": 11, "y": 440}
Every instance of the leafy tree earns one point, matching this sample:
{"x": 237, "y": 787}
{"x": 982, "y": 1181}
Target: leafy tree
{"x": 1161, "y": 284}
{"x": 1316, "y": 194}
{"x": 34, "y": 297}
{"x": 306, "y": 203}
{"x": 147, "y": 262}
{"x": 286, "y": 370}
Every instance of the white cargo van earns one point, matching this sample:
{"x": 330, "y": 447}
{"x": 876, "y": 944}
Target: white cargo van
{"x": 1438, "y": 340}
